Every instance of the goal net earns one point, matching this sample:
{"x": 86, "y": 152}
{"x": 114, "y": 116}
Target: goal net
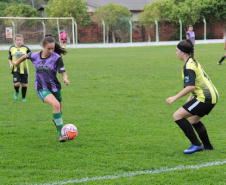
{"x": 34, "y": 29}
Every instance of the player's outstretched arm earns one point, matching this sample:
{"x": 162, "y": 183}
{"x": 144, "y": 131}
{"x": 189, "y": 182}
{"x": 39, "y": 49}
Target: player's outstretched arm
{"x": 65, "y": 78}
{"x": 182, "y": 93}
{"x": 20, "y": 60}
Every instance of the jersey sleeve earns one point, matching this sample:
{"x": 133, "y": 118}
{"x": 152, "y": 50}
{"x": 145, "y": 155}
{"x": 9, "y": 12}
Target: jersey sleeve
{"x": 189, "y": 77}
{"x": 188, "y": 35}
{"x": 28, "y": 50}
{"x": 10, "y": 55}
{"x": 60, "y": 65}
{"x": 29, "y": 56}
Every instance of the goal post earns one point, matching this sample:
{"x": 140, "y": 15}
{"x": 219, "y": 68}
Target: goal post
{"x": 35, "y": 28}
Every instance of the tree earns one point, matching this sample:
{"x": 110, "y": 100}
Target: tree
{"x": 193, "y": 11}
{"x": 213, "y": 11}
{"x": 69, "y": 8}
{"x": 20, "y": 10}
{"x": 185, "y": 10}
{"x": 36, "y": 3}
{"x": 155, "y": 11}
{"x": 122, "y": 28}
{"x": 3, "y": 6}
{"x": 110, "y": 14}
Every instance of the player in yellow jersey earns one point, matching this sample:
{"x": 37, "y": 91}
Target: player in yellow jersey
{"x": 222, "y": 59}
{"x": 203, "y": 97}
{"x": 20, "y": 73}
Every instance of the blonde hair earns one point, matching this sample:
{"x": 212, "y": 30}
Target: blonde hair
{"x": 19, "y": 35}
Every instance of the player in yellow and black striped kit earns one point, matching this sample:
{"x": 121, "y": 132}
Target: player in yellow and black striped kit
{"x": 203, "y": 98}
{"x": 20, "y": 73}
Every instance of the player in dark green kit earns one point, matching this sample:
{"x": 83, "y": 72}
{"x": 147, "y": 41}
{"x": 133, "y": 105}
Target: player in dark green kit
{"x": 203, "y": 97}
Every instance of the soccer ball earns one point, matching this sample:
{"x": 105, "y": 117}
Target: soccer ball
{"x": 69, "y": 131}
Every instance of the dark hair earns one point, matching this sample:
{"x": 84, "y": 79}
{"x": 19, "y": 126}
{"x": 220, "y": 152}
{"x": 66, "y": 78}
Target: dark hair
{"x": 49, "y": 39}
{"x": 187, "y": 46}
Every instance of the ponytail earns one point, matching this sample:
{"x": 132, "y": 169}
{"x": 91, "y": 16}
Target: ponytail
{"x": 192, "y": 53}
{"x": 187, "y": 47}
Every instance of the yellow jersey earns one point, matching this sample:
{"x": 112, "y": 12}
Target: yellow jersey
{"x": 194, "y": 75}
{"x": 14, "y": 54}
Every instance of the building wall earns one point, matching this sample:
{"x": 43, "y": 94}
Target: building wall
{"x": 167, "y": 32}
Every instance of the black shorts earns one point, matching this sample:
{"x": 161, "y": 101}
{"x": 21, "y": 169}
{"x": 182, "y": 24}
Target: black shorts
{"x": 195, "y": 107}
{"x": 17, "y": 77}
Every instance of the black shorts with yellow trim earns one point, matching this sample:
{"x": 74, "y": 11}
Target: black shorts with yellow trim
{"x": 17, "y": 77}
{"x": 195, "y": 107}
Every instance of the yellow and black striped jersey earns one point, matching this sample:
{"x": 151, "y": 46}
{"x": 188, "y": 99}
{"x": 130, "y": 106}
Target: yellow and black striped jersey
{"x": 194, "y": 75}
{"x": 14, "y": 54}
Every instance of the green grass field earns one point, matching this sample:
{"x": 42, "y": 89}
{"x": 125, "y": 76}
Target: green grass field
{"x": 116, "y": 98}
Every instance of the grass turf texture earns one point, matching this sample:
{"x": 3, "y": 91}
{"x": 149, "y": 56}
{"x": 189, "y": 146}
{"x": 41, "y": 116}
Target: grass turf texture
{"x": 117, "y": 101}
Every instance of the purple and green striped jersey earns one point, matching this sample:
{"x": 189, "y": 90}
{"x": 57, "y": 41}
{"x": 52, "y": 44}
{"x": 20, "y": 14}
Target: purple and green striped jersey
{"x": 46, "y": 71}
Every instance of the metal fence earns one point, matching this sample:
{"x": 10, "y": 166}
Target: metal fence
{"x": 34, "y": 29}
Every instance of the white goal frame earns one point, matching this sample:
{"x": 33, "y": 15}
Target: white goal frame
{"x": 73, "y": 24}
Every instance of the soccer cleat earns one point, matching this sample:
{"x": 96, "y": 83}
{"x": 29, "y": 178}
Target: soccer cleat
{"x": 193, "y": 149}
{"x": 24, "y": 100}
{"x": 219, "y": 63}
{"x": 62, "y": 139}
{"x": 16, "y": 96}
{"x": 209, "y": 147}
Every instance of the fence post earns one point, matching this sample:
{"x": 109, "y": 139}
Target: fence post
{"x": 157, "y": 31}
{"x": 75, "y": 32}
{"x": 180, "y": 29}
{"x": 14, "y": 32}
{"x": 103, "y": 31}
{"x": 44, "y": 28}
{"x": 131, "y": 31}
{"x": 204, "y": 20}
{"x": 58, "y": 29}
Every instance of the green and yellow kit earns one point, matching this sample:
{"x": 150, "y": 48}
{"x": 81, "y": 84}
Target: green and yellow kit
{"x": 14, "y": 54}
{"x": 194, "y": 75}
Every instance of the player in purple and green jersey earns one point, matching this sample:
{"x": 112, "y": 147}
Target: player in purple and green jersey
{"x": 190, "y": 34}
{"x": 47, "y": 63}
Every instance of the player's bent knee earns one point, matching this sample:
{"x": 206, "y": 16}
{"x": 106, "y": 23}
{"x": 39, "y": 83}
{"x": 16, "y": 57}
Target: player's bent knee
{"x": 176, "y": 116}
{"x": 17, "y": 84}
{"x": 56, "y": 106}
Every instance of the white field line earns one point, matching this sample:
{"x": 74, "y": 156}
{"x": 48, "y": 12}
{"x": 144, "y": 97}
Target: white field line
{"x": 181, "y": 167}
